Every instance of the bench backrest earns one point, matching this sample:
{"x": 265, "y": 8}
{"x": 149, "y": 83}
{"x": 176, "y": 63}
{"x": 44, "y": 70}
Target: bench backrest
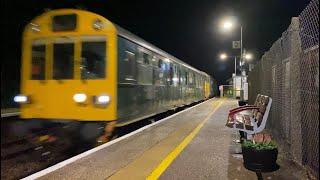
{"x": 257, "y": 99}
{"x": 261, "y": 115}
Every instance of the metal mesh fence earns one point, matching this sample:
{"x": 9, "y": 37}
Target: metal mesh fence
{"x": 289, "y": 74}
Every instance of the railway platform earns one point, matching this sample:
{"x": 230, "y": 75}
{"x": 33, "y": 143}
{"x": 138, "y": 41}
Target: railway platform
{"x": 191, "y": 144}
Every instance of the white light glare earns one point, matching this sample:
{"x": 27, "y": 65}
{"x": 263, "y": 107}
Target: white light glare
{"x": 248, "y": 56}
{"x": 103, "y": 99}
{"x": 80, "y": 97}
{"x": 167, "y": 60}
{"x": 175, "y": 79}
{"x": 20, "y": 99}
{"x": 227, "y": 25}
{"x": 223, "y": 56}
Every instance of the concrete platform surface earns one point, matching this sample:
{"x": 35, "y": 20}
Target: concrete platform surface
{"x": 194, "y": 144}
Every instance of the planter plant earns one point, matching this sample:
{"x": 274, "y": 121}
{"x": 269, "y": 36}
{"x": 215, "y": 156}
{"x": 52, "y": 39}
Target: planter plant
{"x": 260, "y": 154}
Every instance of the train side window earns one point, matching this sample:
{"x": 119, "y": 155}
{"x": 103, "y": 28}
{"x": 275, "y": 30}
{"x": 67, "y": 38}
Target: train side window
{"x": 190, "y": 77}
{"x": 175, "y": 78}
{"x": 162, "y": 78}
{"x": 154, "y": 64}
{"x": 144, "y": 70}
{"x": 139, "y": 57}
{"x": 197, "y": 80}
{"x": 186, "y": 77}
{"x": 63, "y": 60}
{"x": 130, "y": 67}
{"x": 201, "y": 82}
{"x": 38, "y": 62}
{"x": 157, "y": 73}
{"x": 178, "y": 75}
{"x": 146, "y": 58}
{"x": 171, "y": 74}
{"x": 181, "y": 76}
{"x": 154, "y": 61}
{"x": 93, "y": 60}
{"x": 160, "y": 63}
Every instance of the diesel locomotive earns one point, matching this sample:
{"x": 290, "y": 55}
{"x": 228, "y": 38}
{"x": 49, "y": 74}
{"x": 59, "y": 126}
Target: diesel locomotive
{"x": 77, "y": 66}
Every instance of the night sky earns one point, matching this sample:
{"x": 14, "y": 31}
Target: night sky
{"x": 187, "y": 29}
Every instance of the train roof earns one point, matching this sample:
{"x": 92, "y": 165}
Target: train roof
{"x": 130, "y": 36}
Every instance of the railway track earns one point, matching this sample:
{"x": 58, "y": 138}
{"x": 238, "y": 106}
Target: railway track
{"x": 15, "y": 148}
{"x": 21, "y": 156}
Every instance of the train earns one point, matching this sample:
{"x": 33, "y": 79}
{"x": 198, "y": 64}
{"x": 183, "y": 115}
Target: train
{"x": 79, "y": 67}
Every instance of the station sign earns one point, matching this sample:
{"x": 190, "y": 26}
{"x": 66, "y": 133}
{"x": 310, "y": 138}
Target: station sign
{"x": 236, "y": 44}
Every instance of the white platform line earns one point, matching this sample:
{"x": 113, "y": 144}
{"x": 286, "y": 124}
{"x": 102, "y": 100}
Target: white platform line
{"x": 86, "y": 153}
{"x": 10, "y": 114}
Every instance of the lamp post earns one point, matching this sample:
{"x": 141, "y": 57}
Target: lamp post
{"x": 224, "y": 56}
{"x": 241, "y": 43}
{"x": 247, "y": 56}
{"x": 228, "y": 25}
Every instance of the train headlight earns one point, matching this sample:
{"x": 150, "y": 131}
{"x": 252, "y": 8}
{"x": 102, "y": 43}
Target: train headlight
{"x": 80, "y": 98}
{"x": 22, "y": 99}
{"x": 102, "y": 100}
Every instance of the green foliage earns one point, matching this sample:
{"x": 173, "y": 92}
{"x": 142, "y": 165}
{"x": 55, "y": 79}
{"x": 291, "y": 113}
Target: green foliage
{"x": 259, "y": 146}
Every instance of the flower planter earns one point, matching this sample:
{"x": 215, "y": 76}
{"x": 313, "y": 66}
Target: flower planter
{"x": 260, "y": 160}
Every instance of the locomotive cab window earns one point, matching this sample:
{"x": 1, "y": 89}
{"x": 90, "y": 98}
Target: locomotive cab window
{"x": 93, "y": 60}
{"x": 64, "y": 22}
{"x": 38, "y": 62}
{"x": 63, "y": 60}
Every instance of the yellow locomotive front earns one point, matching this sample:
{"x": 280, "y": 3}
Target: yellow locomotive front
{"x": 69, "y": 67}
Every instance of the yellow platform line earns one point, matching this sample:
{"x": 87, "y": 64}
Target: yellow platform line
{"x": 156, "y": 173}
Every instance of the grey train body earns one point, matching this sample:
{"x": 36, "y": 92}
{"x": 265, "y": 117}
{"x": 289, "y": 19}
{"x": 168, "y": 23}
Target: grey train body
{"x": 151, "y": 81}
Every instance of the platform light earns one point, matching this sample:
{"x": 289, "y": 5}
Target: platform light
{"x": 248, "y": 56}
{"x": 227, "y": 25}
{"x": 223, "y": 56}
{"x": 80, "y": 97}
{"x": 102, "y": 99}
{"x": 21, "y": 99}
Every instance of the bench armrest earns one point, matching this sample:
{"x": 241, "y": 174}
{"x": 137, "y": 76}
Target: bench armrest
{"x": 241, "y": 107}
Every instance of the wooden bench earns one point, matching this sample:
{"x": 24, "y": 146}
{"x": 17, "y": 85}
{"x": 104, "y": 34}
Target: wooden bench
{"x": 250, "y": 119}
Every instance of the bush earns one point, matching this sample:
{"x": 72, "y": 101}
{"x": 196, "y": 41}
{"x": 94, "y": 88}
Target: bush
{"x": 261, "y": 141}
